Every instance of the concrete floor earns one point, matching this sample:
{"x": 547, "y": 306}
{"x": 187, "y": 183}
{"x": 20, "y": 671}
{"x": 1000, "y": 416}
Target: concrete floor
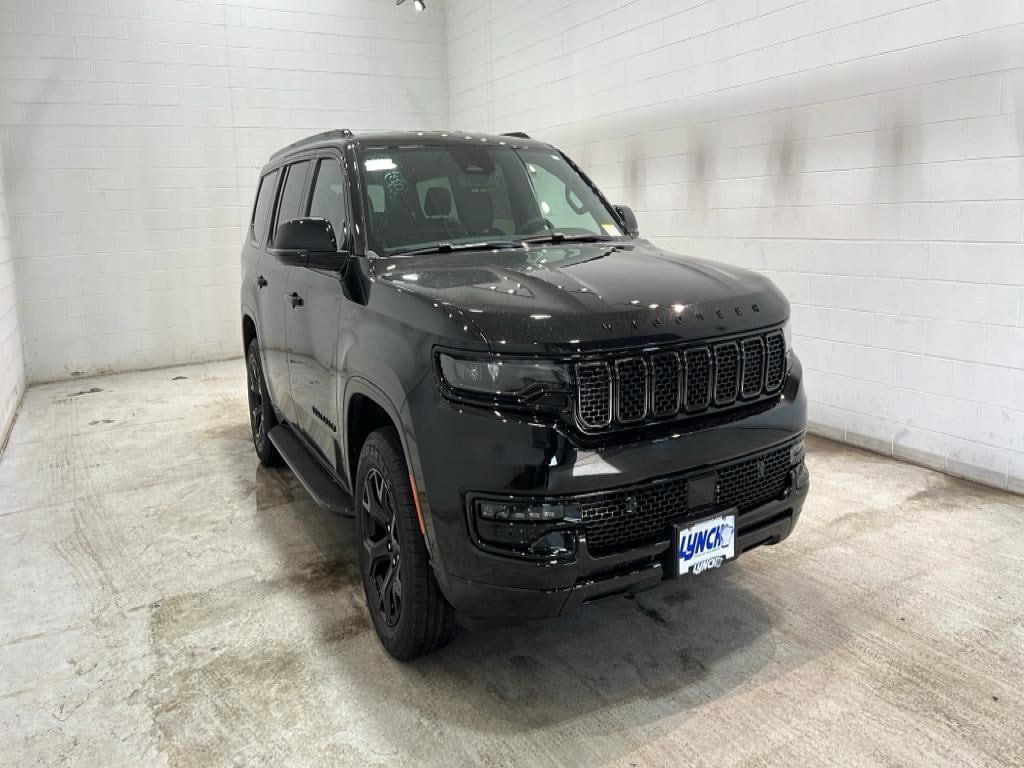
{"x": 166, "y": 601}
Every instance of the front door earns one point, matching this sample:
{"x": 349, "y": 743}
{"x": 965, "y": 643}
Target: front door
{"x": 313, "y": 323}
{"x": 274, "y": 295}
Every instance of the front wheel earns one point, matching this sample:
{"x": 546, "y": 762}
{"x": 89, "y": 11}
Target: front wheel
{"x": 261, "y": 410}
{"x": 408, "y": 611}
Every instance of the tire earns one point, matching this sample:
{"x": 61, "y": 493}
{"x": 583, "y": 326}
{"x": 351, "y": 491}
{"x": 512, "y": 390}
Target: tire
{"x": 408, "y": 611}
{"x": 261, "y": 410}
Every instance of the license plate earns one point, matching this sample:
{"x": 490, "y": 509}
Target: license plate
{"x": 705, "y": 544}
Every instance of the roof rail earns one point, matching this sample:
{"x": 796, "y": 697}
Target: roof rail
{"x": 336, "y": 133}
{"x": 517, "y": 134}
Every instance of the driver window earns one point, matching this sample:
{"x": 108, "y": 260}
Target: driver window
{"x": 291, "y": 195}
{"x": 328, "y": 198}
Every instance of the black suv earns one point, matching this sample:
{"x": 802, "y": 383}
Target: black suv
{"x": 527, "y": 406}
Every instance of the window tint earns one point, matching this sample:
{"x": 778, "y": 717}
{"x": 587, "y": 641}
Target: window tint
{"x": 264, "y": 202}
{"x": 459, "y": 193}
{"x": 559, "y": 191}
{"x": 328, "y": 198}
{"x": 291, "y": 195}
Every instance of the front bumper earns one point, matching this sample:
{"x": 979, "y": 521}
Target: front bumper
{"x": 628, "y": 572}
{"x": 459, "y": 451}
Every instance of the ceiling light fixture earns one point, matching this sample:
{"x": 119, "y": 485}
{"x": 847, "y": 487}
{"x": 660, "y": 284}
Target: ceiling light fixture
{"x": 419, "y": 5}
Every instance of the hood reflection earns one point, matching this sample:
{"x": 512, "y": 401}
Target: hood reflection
{"x": 575, "y": 293}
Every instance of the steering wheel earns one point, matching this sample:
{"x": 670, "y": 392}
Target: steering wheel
{"x": 536, "y": 224}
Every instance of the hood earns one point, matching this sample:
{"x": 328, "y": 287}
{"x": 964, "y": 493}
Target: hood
{"x": 580, "y": 296}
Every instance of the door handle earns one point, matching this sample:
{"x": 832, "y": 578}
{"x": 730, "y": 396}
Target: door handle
{"x": 296, "y": 299}
{"x": 261, "y": 282}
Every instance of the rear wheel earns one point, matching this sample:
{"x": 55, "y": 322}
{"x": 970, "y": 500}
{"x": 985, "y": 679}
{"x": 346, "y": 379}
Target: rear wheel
{"x": 408, "y": 611}
{"x": 261, "y": 411}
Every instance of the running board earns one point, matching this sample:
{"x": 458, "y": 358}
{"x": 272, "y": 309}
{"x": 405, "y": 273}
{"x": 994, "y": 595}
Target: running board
{"x": 314, "y": 478}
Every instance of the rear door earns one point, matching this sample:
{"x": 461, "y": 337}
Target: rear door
{"x": 275, "y": 301}
{"x": 313, "y": 323}
{"x": 254, "y": 251}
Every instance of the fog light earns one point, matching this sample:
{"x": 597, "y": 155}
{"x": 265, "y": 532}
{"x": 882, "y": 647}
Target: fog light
{"x": 525, "y": 512}
{"x": 543, "y": 529}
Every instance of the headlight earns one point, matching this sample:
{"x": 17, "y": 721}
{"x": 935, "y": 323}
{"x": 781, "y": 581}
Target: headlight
{"x": 501, "y": 378}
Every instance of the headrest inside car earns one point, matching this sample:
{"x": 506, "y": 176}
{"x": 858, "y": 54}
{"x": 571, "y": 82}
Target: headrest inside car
{"x": 438, "y": 202}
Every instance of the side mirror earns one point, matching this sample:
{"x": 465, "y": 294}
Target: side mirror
{"x": 629, "y": 219}
{"x": 307, "y": 243}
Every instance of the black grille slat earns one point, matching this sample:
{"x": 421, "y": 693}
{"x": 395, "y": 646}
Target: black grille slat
{"x": 727, "y": 373}
{"x": 630, "y": 389}
{"x": 696, "y": 379}
{"x": 633, "y": 517}
{"x": 752, "y": 378}
{"x": 776, "y": 361}
{"x": 594, "y": 394}
{"x": 664, "y": 384}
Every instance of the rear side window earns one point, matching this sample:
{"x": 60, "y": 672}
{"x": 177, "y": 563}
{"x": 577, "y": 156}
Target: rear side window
{"x": 264, "y": 202}
{"x": 291, "y": 195}
{"x": 328, "y": 198}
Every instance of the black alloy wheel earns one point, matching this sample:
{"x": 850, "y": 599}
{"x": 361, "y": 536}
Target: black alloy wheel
{"x": 409, "y": 613}
{"x": 261, "y": 410}
{"x": 383, "y": 552}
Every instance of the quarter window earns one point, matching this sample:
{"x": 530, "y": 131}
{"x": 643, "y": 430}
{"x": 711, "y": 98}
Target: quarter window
{"x": 264, "y": 202}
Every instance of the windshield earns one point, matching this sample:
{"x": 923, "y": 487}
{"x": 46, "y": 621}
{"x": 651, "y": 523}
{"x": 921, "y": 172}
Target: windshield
{"x": 418, "y": 197}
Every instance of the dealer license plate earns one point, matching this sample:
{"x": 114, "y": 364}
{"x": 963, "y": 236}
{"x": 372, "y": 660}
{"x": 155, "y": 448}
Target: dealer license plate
{"x": 706, "y": 544}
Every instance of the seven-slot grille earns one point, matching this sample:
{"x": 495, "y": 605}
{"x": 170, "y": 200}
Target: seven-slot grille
{"x": 633, "y": 388}
{"x": 643, "y": 515}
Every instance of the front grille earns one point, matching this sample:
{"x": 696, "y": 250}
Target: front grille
{"x": 630, "y": 518}
{"x": 697, "y": 379}
{"x": 776, "y": 367}
{"x": 664, "y": 384}
{"x": 753, "y": 368}
{"x": 594, "y": 401}
{"x": 631, "y": 389}
{"x": 727, "y": 373}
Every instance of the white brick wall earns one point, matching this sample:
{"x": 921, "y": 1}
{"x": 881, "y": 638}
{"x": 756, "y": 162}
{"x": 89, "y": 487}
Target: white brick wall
{"x": 12, "y": 361}
{"x": 132, "y": 131}
{"x": 868, "y": 156}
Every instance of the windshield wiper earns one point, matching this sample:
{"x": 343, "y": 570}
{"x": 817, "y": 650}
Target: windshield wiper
{"x": 558, "y": 237}
{"x": 453, "y": 247}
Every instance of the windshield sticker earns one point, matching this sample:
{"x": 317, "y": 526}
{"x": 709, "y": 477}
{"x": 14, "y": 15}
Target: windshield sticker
{"x": 611, "y": 229}
{"x": 380, "y": 164}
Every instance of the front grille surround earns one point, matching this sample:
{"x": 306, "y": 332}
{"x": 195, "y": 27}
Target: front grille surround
{"x": 635, "y": 388}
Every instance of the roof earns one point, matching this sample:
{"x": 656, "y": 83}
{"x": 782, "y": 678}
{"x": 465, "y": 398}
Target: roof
{"x": 389, "y": 138}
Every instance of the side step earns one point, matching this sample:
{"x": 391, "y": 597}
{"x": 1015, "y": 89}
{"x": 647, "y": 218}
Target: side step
{"x": 321, "y": 486}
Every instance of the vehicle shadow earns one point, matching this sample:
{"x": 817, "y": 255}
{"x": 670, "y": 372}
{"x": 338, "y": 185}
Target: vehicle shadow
{"x": 667, "y": 650}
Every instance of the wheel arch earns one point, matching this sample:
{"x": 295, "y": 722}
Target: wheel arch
{"x": 363, "y": 416}
{"x": 367, "y": 408}
{"x": 249, "y": 330}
